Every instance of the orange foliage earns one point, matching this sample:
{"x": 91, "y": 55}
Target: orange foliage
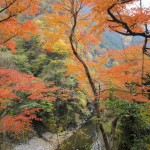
{"x": 12, "y": 82}
{"x": 125, "y": 77}
{"x": 58, "y": 25}
{"x": 131, "y": 13}
{"x": 127, "y": 67}
{"x": 10, "y": 25}
{"x": 19, "y": 123}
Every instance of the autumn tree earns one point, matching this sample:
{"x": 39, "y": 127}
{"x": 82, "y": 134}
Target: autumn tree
{"x": 10, "y": 24}
{"x": 126, "y": 17}
{"x": 129, "y": 17}
{"x": 71, "y": 23}
{"x": 124, "y": 76}
{"x": 24, "y": 92}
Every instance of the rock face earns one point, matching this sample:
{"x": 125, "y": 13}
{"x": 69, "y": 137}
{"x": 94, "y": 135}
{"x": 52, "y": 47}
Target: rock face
{"x": 48, "y": 141}
{"x": 96, "y": 145}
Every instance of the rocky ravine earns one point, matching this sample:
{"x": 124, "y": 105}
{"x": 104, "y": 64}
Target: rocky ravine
{"x": 48, "y": 141}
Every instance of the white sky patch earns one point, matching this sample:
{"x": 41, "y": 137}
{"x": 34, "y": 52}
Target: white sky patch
{"x": 146, "y": 3}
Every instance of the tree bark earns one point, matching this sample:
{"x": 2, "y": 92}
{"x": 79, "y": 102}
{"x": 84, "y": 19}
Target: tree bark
{"x": 91, "y": 82}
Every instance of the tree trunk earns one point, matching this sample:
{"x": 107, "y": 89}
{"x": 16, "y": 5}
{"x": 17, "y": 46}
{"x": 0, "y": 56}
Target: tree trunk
{"x": 91, "y": 82}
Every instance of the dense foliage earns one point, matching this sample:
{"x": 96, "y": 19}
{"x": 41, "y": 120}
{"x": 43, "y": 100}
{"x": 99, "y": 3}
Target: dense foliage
{"x": 65, "y": 62}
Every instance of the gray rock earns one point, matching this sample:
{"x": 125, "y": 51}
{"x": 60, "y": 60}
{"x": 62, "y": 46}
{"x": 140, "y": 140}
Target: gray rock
{"x": 48, "y": 142}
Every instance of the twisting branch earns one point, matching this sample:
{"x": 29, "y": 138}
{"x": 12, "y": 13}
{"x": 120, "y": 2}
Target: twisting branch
{"x": 7, "y": 5}
{"x": 73, "y": 43}
{"x": 128, "y": 30}
{"x": 13, "y": 14}
{"x": 8, "y": 39}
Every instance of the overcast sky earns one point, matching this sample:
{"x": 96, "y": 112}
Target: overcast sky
{"x": 146, "y": 3}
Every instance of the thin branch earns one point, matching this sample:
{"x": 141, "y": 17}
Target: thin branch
{"x": 5, "y": 41}
{"x": 7, "y": 6}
